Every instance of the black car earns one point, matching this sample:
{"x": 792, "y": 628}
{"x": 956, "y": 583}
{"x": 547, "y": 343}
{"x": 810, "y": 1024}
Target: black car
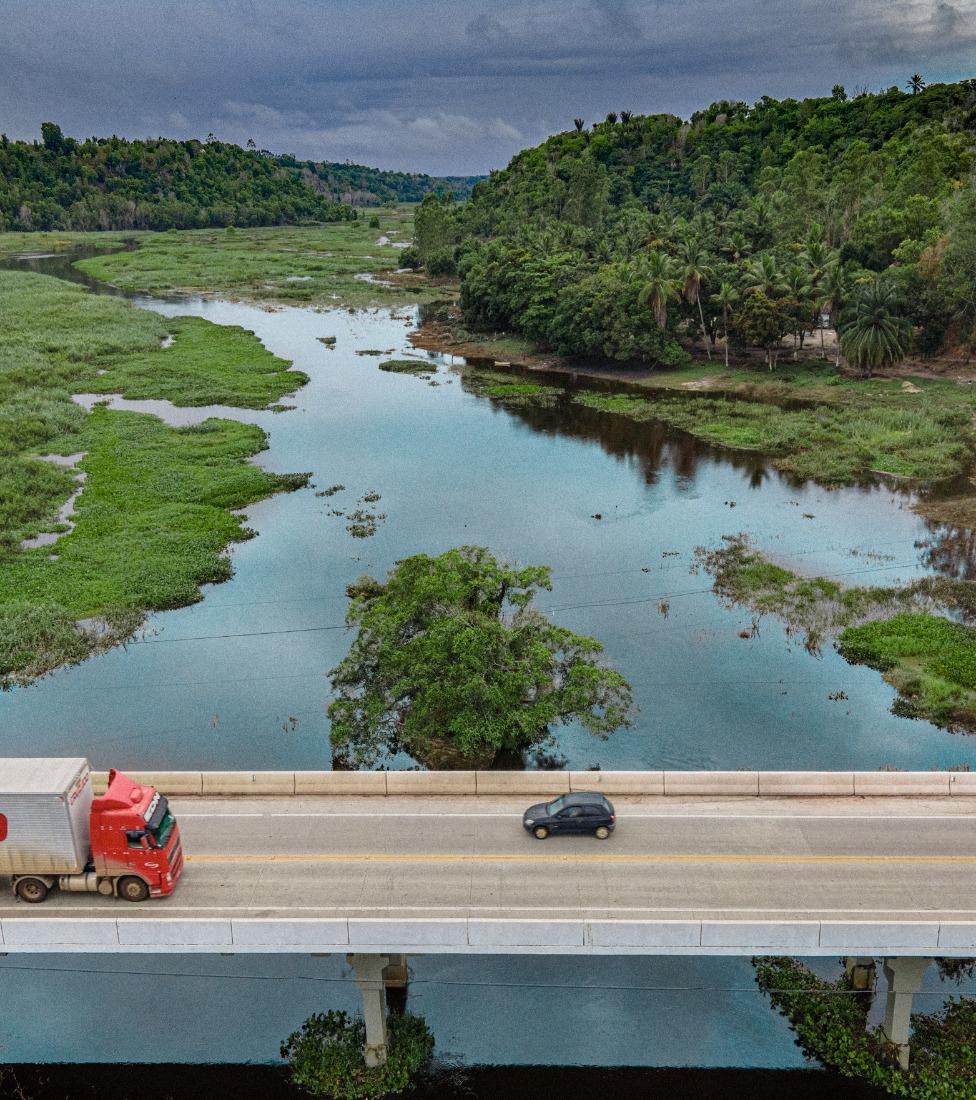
{"x": 578, "y": 812}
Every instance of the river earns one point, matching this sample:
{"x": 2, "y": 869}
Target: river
{"x": 239, "y": 681}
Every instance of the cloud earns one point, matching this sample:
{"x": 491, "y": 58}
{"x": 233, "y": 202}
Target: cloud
{"x": 437, "y": 85}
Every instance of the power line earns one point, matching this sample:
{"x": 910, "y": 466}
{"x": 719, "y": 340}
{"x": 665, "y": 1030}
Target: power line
{"x": 577, "y": 987}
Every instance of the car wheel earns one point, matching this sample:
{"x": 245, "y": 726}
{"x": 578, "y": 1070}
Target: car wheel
{"x": 602, "y": 832}
{"x": 133, "y": 889}
{"x": 540, "y": 832}
{"x": 33, "y": 890}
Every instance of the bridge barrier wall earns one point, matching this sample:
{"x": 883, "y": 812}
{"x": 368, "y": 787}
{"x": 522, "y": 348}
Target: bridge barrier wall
{"x": 484, "y": 935}
{"x": 717, "y": 784}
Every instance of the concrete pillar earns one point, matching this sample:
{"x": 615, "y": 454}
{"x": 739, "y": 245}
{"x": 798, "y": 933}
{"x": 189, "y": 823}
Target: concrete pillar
{"x": 369, "y": 977}
{"x": 904, "y": 978}
{"x": 861, "y": 973}
{"x": 395, "y": 978}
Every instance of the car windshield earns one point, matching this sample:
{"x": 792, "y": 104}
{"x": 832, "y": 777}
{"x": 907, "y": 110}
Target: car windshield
{"x": 554, "y": 807}
{"x": 159, "y": 836}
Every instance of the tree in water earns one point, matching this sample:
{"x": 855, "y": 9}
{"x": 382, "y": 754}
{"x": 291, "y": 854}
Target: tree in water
{"x": 874, "y": 332}
{"x": 454, "y": 666}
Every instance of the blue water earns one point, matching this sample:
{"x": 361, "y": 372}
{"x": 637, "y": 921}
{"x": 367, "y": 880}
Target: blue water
{"x": 240, "y": 679}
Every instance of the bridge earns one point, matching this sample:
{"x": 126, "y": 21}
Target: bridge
{"x": 379, "y": 865}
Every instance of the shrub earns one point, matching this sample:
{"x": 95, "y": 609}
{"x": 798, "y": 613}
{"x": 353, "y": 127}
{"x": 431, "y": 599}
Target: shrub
{"x": 326, "y": 1056}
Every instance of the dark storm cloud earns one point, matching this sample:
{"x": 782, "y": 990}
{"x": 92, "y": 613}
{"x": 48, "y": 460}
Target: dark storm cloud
{"x": 443, "y": 86}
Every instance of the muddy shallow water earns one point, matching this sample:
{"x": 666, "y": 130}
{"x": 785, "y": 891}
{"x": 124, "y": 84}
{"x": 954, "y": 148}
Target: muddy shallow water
{"x": 239, "y": 680}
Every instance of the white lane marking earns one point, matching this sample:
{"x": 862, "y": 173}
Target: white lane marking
{"x": 625, "y": 816}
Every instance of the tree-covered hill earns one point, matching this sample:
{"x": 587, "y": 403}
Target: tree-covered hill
{"x": 112, "y": 183}
{"x": 363, "y": 186}
{"x": 640, "y": 235}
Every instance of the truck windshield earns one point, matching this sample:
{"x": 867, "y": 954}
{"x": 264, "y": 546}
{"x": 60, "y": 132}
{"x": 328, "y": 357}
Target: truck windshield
{"x": 161, "y": 824}
{"x": 161, "y": 834}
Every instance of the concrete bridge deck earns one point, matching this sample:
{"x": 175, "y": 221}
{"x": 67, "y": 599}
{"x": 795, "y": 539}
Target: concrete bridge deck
{"x": 802, "y": 876}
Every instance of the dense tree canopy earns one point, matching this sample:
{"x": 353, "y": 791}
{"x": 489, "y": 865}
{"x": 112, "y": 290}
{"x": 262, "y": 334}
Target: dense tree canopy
{"x": 453, "y": 666}
{"x": 797, "y": 204}
{"x": 111, "y": 183}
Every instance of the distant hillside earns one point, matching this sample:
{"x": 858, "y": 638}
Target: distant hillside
{"x": 363, "y": 186}
{"x": 112, "y": 183}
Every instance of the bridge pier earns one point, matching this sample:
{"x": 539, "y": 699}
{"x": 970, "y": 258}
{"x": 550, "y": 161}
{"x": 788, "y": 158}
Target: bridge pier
{"x": 904, "y": 977}
{"x": 861, "y": 973}
{"x": 377, "y": 976}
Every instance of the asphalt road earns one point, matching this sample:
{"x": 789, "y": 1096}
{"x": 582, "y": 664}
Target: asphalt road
{"x": 858, "y": 859}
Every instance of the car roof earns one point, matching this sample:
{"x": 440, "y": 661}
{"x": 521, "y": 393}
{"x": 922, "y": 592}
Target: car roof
{"x": 587, "y": 797}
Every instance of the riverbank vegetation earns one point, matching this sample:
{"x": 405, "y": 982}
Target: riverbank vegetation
{"x": 831, "y": 1025}
{"x": 155, "y": 512}
{"x": 453, "y": 665}
{"x": 640, "y": 237}
{"x": 350, "y": 264}
{"x": 903, "y": 631}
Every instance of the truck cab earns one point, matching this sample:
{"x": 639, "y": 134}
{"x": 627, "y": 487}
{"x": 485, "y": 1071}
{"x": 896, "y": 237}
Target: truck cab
{"x": 135, "y": 840}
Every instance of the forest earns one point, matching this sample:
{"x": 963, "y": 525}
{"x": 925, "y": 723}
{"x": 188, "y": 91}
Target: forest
{"x": 756, "y": 228}
{"x": 111, "y": 183}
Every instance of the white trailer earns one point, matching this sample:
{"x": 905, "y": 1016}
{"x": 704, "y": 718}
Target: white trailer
{"x": 45, "y": 816}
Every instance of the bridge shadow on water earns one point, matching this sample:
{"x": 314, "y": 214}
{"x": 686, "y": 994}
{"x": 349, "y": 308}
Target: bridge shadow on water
{"x": 186, "y": 1082}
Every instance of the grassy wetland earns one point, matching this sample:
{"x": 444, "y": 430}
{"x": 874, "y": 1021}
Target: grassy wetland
{"x": 345, "y": 264}
{"x": 155, "y": 513}
{"x": 904, "y": 632}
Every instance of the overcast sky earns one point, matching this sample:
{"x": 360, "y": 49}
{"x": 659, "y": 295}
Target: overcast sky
{"x": 442, "y": 86}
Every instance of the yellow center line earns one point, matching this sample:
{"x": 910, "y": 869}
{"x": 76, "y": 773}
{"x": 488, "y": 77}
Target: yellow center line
{"x": 520, "y": 857}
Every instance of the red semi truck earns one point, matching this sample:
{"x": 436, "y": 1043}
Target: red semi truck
{"x": 55, "y": 832}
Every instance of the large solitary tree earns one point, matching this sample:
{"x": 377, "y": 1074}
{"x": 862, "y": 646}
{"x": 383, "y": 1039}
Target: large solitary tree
{"x": 454, "y": 666}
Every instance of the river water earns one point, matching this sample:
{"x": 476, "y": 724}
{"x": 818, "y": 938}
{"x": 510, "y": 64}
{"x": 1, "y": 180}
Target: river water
{"x": 239, "y": 681}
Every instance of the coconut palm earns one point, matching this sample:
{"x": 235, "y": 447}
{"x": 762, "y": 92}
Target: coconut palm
{"x": 763, "y": 274}
{"x": 661, "y": 285}
{"x": 818, "y": 258}
{"x": 578, "y": 123}
{"x": 695, "y": 269}
{"x": 612, "y": 118}
{"x": 726, "y": 296}
{"x": 874, "y": 332}
{"x": 835, "y": 287}
{"x": 796, "y": 279}
{"x": 915, "y": 83}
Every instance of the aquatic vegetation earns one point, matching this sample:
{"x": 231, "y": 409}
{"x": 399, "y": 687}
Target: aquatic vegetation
{"x": 311, "y": 265}
{"x": 832, "y": 444}
{"x": 331, "y": 491}
{"x": 831, "y": 1025}
{"x": 901, "y": 631}
{"x": 155, "y": 514}
{"x": 420, "y": 367}
{"x": 364, "y": 524}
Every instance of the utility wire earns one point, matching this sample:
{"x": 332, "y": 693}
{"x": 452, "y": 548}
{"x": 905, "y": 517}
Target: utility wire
{"x": 449, "y": 982}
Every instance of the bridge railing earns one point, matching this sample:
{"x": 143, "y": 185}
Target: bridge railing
{"x": 688, "y": 784}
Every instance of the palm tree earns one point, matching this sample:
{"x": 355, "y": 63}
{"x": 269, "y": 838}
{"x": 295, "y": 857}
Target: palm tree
{"x": 612, "y": 118}
{"x": 834, "y": 289}
{"x": 796, "y": 279}
{"x": 915, "y": 83}
{"x": 578, "y": 123}
{"x": 626, "y": 116}
{"x": 874, "y": 331}
{"x": 661, "y": 285}
{"x": 695, "y": 269}
{"x": 726, "y": 296}
{"x": 763, "y": 274}
{"x": 818, "y": 258}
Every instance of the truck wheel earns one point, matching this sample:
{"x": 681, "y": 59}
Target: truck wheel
{"x": 133, "y": 889}
{"x": 33, "y": 890}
